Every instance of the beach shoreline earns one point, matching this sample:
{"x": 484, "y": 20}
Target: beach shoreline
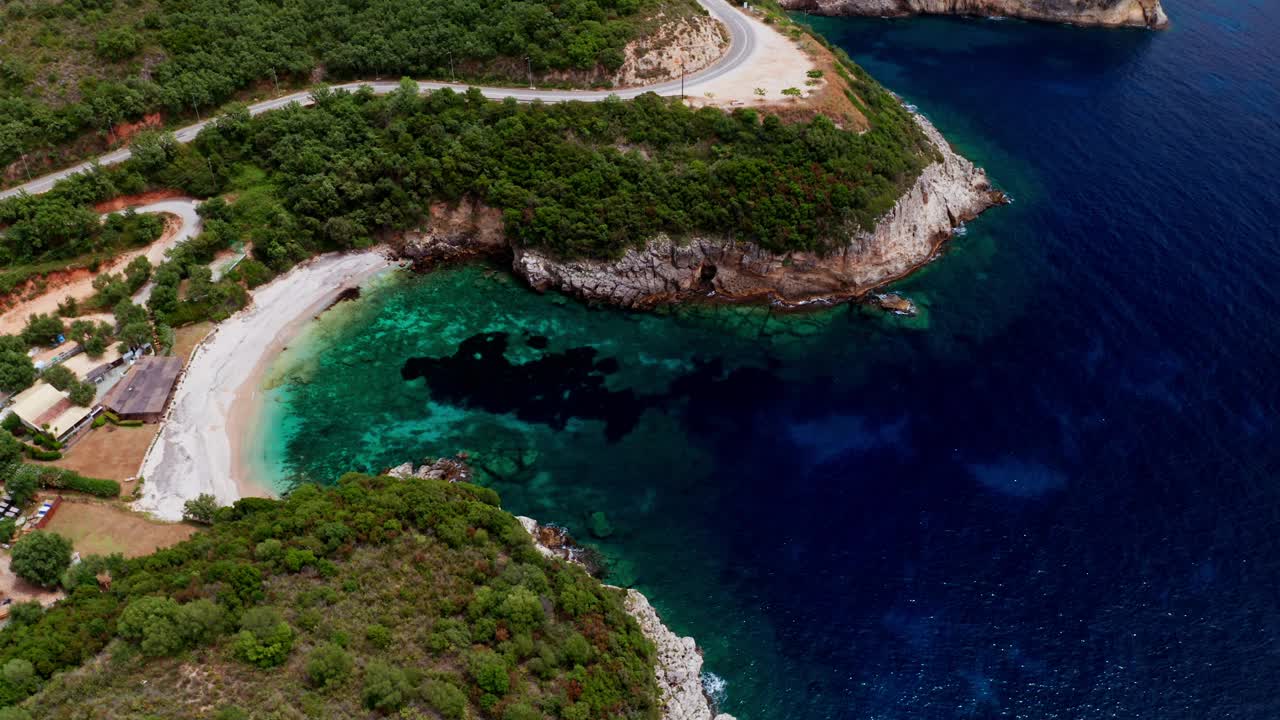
{"x": 200, "y": 448}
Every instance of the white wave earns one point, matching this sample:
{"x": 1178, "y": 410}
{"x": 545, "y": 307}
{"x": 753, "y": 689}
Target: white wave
{"x": 715, "y": 687}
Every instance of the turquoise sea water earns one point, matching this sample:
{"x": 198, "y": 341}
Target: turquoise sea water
{"x": 1053, "y": 496}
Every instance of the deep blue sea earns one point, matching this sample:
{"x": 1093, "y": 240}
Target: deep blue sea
{"x": 1055, "y": 496}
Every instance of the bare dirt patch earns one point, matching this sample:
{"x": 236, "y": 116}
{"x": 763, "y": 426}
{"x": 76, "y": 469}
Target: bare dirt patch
{"x": 42, "y": 295}
{"x": 128, "y": 201}
{"x": 99, "y": 528}
{"x": 188, "y": 337}
{"x": 12, "y": 586}
{"x": 110, "y": 452}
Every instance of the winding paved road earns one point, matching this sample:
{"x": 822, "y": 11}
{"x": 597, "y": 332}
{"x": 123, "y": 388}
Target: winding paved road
{"x": 742, "y": 43}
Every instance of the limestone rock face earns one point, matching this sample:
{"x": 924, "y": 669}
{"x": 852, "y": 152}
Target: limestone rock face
{"x": 679, "y": 667}
{"x": 448, "y": 469}
{"x": 1111, "y": 13}
{"x": 454, "y": 232}
{"x": 686, "y": 44}
{"x": 947, "y": 193}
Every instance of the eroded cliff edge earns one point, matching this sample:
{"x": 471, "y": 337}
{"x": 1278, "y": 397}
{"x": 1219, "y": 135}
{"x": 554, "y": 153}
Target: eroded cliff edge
{"x": 949, "y": 192}
{"x": 1108, "y": 13}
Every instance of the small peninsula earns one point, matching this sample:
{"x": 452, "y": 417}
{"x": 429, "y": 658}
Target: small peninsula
{"x": 1106, "y": 13}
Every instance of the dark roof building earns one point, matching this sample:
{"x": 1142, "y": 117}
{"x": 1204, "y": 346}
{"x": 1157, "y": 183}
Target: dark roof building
{"x": 144, "y": 392}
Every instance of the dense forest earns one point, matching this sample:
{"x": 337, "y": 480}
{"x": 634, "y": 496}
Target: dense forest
{"x": 577, "y": 179}
{"x": 73, "y": 66}
{"x": 414, "y": 598}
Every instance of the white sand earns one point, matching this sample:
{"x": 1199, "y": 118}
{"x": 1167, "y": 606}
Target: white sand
{"x": 195, "y": 451}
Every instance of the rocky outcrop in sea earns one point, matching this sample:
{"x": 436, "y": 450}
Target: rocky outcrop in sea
{"x": 1109, "y": 13}
{"x": 679, "y": 667}
{"x": 948, "y": 193}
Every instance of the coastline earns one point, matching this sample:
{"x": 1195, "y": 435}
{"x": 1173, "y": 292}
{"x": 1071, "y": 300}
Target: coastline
{"x": 678, "y": 667}
{"x": 200, "y": 446}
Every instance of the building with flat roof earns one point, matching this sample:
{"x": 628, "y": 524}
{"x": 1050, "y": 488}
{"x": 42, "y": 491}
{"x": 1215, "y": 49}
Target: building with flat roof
{"x": 44, "y": 408}
{"x": 143, "y": 393}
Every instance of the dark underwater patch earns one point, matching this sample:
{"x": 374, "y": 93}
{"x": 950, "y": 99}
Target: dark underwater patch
{"x": 550, "y": 390}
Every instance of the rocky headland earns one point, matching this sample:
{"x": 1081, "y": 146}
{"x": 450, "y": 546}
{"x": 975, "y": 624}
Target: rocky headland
{"x": 679, "y": 667}
{"x": 1107, "y": 13}
{"x": 949, "y": 192}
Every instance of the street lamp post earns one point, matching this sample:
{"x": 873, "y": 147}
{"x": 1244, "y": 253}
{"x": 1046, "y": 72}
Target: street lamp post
{"x": 452, "y": 78}
{"x": 529, "y": 66}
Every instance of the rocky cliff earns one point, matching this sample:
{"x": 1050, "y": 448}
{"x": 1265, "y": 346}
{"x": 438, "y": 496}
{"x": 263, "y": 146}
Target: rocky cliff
{"x": 686, "y": 45}
{"x": 948, "y": 192}
{"x": 679, "y": 667}
{"x": 1112, "y": 13}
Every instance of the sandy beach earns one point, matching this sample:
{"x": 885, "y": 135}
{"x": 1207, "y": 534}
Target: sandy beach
{"x": 198, "y": 448}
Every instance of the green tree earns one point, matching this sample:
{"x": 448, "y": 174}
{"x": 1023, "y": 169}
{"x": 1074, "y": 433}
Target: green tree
{"x": 489, "y": 671}
{"x": 152, "y": 622}
{"x": 21, "y": 487}
{"x": 522, "y": 609}
{"x": 137, "y": 272}
{"x": 7, "y": 528}
{"x": 10, "y": 448}
{"x": 17, "y": 372}
{"x": 117, "y": 44}
{"x": 201, "y": 509}
{"x": 42, "y": 329}
{"x": 82, "y": 393}
{"x": 20, "y": 674}
{"x": 59, "y": 377}
{"x": 136, "y": 334}
{"x": 41, "y": 558}
{"x": 328, "y": 666}
{"x": 265, "y": 639}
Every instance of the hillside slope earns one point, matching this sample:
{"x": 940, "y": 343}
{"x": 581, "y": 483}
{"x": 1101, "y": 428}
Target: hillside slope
{"x": 413, "y": 596}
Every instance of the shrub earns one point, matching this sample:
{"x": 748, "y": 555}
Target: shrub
{"x": 296, "y": 559}
{"x": 265, "y": 639}
{"x": 446, "y": 699}
{"x": 522, "y": 609}
{"x": 378, "y": 636}
{"x": 268, "y": 551}
{"x": 489, "y": 671}
{"x": 7, "y": 528}
{"x": 385, "y": 687}
{"x": 153, "y": 623}
{"x": 328, "y": 666}
{"x": 41, "y": 558}
{"x": 521, "y": 711}
{"x": 200, "y": 509}
{"x": 117, "y": 44}
{"x": 63, "y": 479}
